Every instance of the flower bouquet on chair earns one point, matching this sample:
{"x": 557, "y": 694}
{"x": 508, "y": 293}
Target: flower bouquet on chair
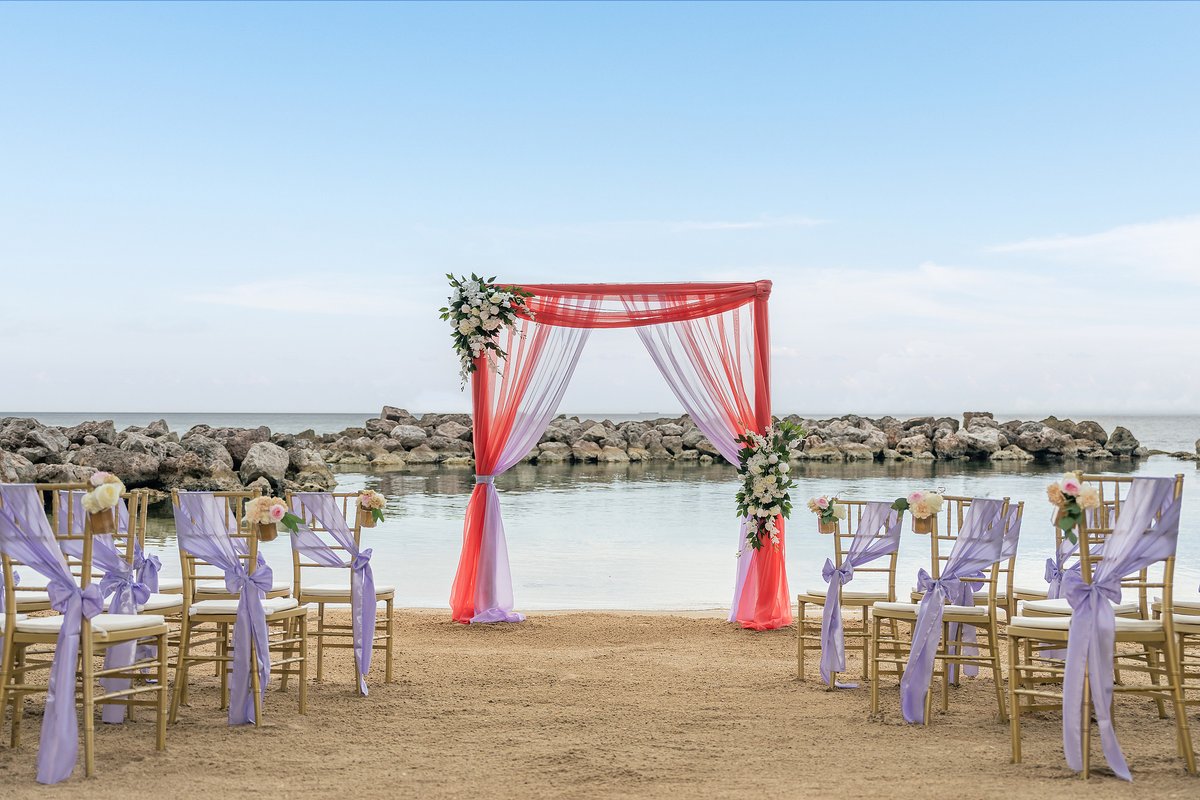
{"x": 101, "y": 501}
{"x": 370, "y": 508}
{"x": 828, "y": 511}
{"x": 1071, "y": 498}
{"x": 763, "y": 463}
{"x": 924, "y": 507}
{"x": 265, "y": 514}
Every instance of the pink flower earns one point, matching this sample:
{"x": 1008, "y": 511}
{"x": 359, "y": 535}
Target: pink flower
{"x": 277, "y": 512}
{"x": 822, "y": 502}
{"x": 1071, "y": 485}
{"x": 915, "y": 498}
{"x": 98, "y": 478}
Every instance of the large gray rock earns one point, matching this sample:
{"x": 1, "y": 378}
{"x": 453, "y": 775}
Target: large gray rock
{"x": 453, "y": 430}
{"x": 914, "y": 445}
{"x": 981, "y": 441}
{"x": 210, "y": 452}
{"x": 32, "y": 440}
{"x": 135, "y": 469}
{"x": 673, "y": 444}
{"x": 141, "y": 443}
{"x": 1010, "y": 453}
{"x": 103, "y": 431}
{"x": 1122, "y": 442}
{"x": 265, "y": 460}
{"x": 1198, "y": 447}
{"x": 613, "y": 455}
{"x": 594, "y": 433}
{"x": 586, "y": 451}
{"x": 15, "y": 468}
{"x": 670, "y": 429}
{"x": 1091, "y": 430}
{"x": 397, "y": 415}
{"x": 193, "y": 472}
{"x": 950, "y": 446}
{"x": 61, "y": 473}
{"x": 1062, "y": 426}
{"x": 969, "y": 416}
{"x": 422, "y": 454}
{"x": 854, "y": 451}
{"x": 238, "y": 441}
{"x": 553, "y": 453}
{"x": 379, "y": 426}
{"x": 1036, "y": 438}
{"x": 408, "y": 435}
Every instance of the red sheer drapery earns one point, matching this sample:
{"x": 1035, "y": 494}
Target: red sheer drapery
{"x": 575, "y": 305}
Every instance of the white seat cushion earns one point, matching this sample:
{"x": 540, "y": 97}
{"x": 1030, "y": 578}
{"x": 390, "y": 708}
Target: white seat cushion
{"x": 101, "y": 623}
{"x": 30, "y": 598}
{"x": 218, "y": 587}
{"x": 1190, "y": 604}
{"x": 1186, "y": 623}
{"x": 1029, "y": 591}
{"x": 170, "y": 584}
{"x": 848, "y": 595}
{"x": 895, "y": 608}
{"x": 339, "y": 590}
{"x": 1061, "y": 606}
{"x": 1062, "y": 623}
{"x": 271, "y": 605}
{"x": 157, "y": 602}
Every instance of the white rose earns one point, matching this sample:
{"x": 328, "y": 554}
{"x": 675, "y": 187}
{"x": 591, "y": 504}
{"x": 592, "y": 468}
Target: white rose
{"x": 465, "y": 327}
{"x": 773, "y": 459}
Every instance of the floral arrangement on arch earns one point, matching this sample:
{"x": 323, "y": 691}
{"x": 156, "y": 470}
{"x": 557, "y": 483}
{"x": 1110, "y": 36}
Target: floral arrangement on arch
{"x": 828, "y": 511}
{"x": 265, "y": 513}
{"x": 924, "y": 505}
{"x": 763, "y": 463}
{"x": 477, "y": 309}
{"x": 1072, "y": 498}
{"x": 101, "y": 499}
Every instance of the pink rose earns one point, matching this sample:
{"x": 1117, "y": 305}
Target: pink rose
{"x": 98, "y": 478}
{"x": 277, "y": 512}
{"x": 915, "y": 498}
{"x": 822, "y": 502}
{"x": 1071, "y": 485}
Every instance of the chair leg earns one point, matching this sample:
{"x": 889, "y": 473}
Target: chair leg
{"x": 1150, "y": 653}
{"x": 801, "y": 630}
{"x": 1014, "y": 707}
{"x": 875, "y": 625}
{"x": 866, "y": 647}
{"x": 320, "y": 641}
{"x": 160, "y": 738}
{"x": 286, "y": 652}
{"x": 997, "y": 674}
{"x": 89, "y": 701}
{"x": 1086, "y": 712}
{"x": 255, "y": 685}
{"x": 1174, "y": 659}
{"x": 302, "y": 624}
{"x": 223, "y": 649}
{"x": 6, "y": 665}
{"x": 181, "y": 668}
{"x": 391, "y": 637}
{"x": 17, "y": 695}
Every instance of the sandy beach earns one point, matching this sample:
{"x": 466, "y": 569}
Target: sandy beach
{"x": 583, "y": 705}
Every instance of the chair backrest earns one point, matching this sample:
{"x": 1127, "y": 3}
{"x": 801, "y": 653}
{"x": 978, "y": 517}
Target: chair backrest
{"x": 1007, "y": 568}
{"x": 347, "y": 505}
{"x": 967, "y": 520}
{"x": 853, "y": 535}
{"x": 1148, "y": 508}
{"x": 222, "y": 514}
{"x": 68, "y": 520}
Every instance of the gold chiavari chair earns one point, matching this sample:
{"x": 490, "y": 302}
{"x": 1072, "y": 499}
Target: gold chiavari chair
{"x": 208, "y": 620}
{"x": 28, "y": 647}
{"x": 891, "y": 652}
{"x": 857, "y": 636}
{"x": 1036, "y": 646}
{"x": 315, "y": 591}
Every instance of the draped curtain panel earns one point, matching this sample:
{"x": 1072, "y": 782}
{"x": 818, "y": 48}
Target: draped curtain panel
{"x": 710, "y": 341}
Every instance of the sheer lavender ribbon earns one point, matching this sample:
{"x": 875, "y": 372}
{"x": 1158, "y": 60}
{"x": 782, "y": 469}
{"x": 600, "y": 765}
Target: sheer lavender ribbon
{"x": 26, "y": 536}
{"x": 1137, "y": 541}
{"x": 865, "y": 548}
{"x": 322, "y": 507}
{"x": 202, "y": 531}
{"x": 979, "y": 545}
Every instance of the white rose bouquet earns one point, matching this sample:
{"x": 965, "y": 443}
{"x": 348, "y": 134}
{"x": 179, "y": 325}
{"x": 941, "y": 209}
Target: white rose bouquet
{"x": 477, "y": 309}
{"x": 828, "y": 511}
{"x": 101, "y": 499}
{"x": 924, "y": 505}
{"x": 264, "y": 513}
{"x": 763, "y": 463}
{"x": 370, "y": 508}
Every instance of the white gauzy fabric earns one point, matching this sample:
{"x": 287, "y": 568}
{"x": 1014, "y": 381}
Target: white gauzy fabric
{"x": 539, "y": 401}
{"x": 693, "y": 357}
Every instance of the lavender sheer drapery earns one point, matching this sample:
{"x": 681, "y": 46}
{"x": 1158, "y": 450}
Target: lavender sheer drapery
{"x": 1146, "y": 532}
{"x": 694, "y": 357}
{"x": 866, "y": 546}
{"x": 26, "y": 536}
{"x": 536, "y": 392}
{"x": 202, "y": 528}
{"x": 322, "y": 507}
{"x": 979, "y": 545}
{"x": 119, "y": 580}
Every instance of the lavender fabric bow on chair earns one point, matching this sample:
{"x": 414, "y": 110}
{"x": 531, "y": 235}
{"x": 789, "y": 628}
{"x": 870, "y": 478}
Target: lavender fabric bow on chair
{"x": 26, "y": 536}
{"x": 979, "y": 545}
{"x": 1137, "y": 541}
{"x": 322, "y": 507}
{"x": 867, "y": 546}
{"x": 203, "y": 532}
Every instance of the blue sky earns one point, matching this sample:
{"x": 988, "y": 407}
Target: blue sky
{"x": 253, "y": 205}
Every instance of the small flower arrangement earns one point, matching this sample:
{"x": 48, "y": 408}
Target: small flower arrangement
{"x": 370, "y": 508}
{"x": 103, "y": 497}
{"x": 828, "y": 511}
{"x": 1072, "y": 498}
{"x": 763, "y": 463}
{"x": 264, "y": 513}
{"x": 924, "y": 505}
{"x": 477, "y": 310}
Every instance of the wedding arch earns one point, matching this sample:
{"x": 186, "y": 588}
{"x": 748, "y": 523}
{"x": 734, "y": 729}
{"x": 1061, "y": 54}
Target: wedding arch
{"x": 711, "y": 343}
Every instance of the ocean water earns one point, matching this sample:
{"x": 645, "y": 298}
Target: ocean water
{"x": 662, "y": 536}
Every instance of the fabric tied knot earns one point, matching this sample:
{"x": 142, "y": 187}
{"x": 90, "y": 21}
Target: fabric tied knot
{"x": 237, "y": 580}
{"x": 950, "y": 588}
{"x": 147, "y": 568}
{"x": 249, "y": 633}
{"x": 361, "y": 560}
{"x": 485, "y": 479}
{"x": 128, "y": 593}
{"x": 833, "y": 637}
{"x": 1053, "y": 573}
{"x": 845, "y": 571}
{"x": 63, "y": 598}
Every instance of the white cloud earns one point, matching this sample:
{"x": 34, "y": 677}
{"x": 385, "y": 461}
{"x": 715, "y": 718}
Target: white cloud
{"x": 1170, "y": 247}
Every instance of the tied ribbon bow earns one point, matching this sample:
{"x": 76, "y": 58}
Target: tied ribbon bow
{"x": 250, "y": 628}
{"x": 833, "y": 635}
{"x": 128, "y": 593}
{"x": 147, "y": 568}
{"x": 362, "y": 602}
{"x": 1091, "y": 642}
{"x": 927, "y": 631}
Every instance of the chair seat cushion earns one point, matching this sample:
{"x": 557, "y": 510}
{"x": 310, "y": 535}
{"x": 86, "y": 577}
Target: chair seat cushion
{"x": 893, "y": 609}
{"x": 1187, "y": 623}
{"x": 340, "y": 590}
{"x": 157, "y": 602}
{"x": 1189, "y": 604}
{"x": 1062, "y": 623}
{"x": 39, "y": 597}
{"x": 849, "y": 597}
{"x": 1029, "y": 591}
{"x": 887, "y": 607}
{"x": 271, "y": 605}
{"x": 218, "y": 587}
{"x": 170, "y": 585}
{"x": 101, "y": 623}
{"x": 1060, "y": 606}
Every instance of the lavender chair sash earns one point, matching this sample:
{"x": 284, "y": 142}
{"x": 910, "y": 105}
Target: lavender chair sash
{"x": 1137, "y": 541}
{"x": 864, "y": 548}
{"x": 26, "y": 536}
{"x": 322, "y": 507}
{"x": 202, "y": 532}
{"x": 979, "y": 545}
